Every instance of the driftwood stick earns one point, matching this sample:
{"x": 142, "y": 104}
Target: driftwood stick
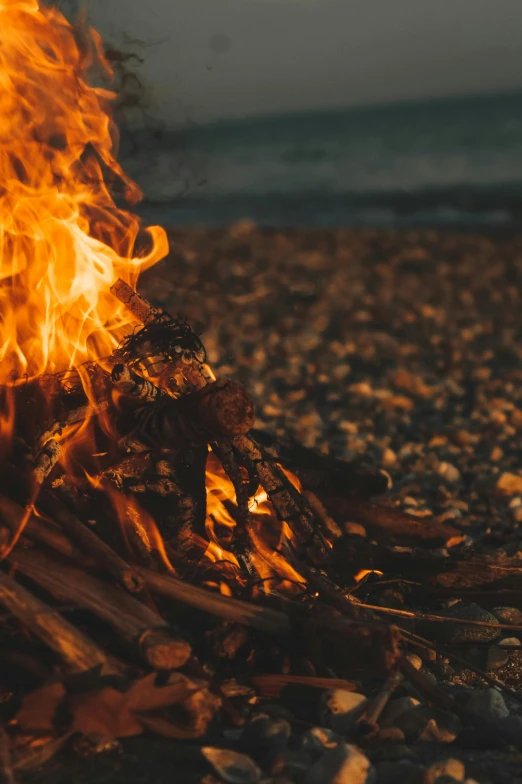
{"x": 46, "y": 460}
{"x": 36, "y": 529}
{"x": 387, "y": 520}
{"x": 375, "y": 707}
{"x": 436, "y": 618}
{"x": 131, "y": 619}
{"x": 105, "y": 557}
{"x": 76, "y": 650}
{"x": 480, "y": 571}
{"x": 130, "y": 383}
{"x": 180, "y": 376}
{"x": 74, "y": 417}
{"x": 325, "y": 475}
{"x": 331, "y": 529}
{"x": 225, "y": 454}
{"x": 223, "y": 409}
{"x": 272, "y": 684}
{"x": 288, "y": 504}
{"x": 263, "y": 618}
{"x": 138, "y": 305}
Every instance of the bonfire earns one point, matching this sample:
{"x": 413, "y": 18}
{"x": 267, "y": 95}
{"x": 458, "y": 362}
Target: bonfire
{"x": 157, "y": 551}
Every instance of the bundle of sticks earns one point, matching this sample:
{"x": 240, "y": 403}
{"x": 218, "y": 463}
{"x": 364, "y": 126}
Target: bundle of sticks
{"x": 103, "y": 533}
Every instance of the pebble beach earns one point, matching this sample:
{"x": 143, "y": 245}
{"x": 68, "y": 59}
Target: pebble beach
{"x": 397, "y": 349}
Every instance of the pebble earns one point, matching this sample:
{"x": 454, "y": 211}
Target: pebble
{"x": 403, "y": 771}
{"x": 511, "y": 615}
{"x": 317, "y": 740}
{"x": 390, "y": 734}
{"x": 342, "y": 708}
{"x": 293, "y": 764}
{"x": 232, "y": 767}
{"x": 457, "y": 633}
{"x": 489, "y": 703}
{"x": 449, "y": 472}
{"x": 516, "y": 514}
{"x": 496, "y": 658}
{"x": 510, "y": 642}
{"x": 509, "y": 484}
{"x": 389, "y": 458}
{"x": 396, "y": 708}
{"x": 346, "y": 764}
{"x": 414, "y": 660}
{"x": 451, "y": 768}
{"x": 429, "y": 723}
{"x": 264, "y": 738}
{"x": 496, "y": 454}
{"x": 355, "y": 529}
{"x": 512, "y": 726}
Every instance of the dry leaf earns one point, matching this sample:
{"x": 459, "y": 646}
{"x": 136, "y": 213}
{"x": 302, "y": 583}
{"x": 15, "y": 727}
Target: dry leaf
{"x": 38, "y": 709}
{"x": 33, "y": 758}
{"x": 112, "y": 714}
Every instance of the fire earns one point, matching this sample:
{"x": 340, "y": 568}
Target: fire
{"x": 265, "y": 532}
{"x": 63, "y": 240}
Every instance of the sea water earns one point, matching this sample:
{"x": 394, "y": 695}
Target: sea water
{"x": 446, "y": 162}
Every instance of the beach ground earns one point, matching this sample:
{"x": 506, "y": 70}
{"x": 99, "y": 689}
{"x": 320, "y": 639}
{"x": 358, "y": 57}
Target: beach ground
{"x": 394, "y": 349}
{"x": 397, "y": 349}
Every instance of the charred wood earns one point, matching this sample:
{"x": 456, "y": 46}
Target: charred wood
{"x": 75, "y": 650}
{"x": 46, "y": 460}
{"x": 131, "y": 619}
{"x": 288, "y": 503}
{"x": 324, "y": 475}
{"x": 105, "y": 557}
{"x": 389, "y": 521}
{"x": 230, "y": 609}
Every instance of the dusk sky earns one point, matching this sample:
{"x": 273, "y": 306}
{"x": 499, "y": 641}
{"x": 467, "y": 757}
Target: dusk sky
{"x": 207, "y": 59}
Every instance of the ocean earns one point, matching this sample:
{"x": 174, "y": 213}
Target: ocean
{"x": 454, "y": 162}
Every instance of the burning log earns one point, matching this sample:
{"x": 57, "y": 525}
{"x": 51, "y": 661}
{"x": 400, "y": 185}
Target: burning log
{"x": 288, "y": 504}
{"x": 90, "y": 544}
{"x": 177, "y": 363}
{"x": 46, "y": 460}
{"x": 138, "y": 305}
{"x": 130, "y": 383}
{"x": 236, "y": 472}
{"x": 75, "y": 650}
{"x": 263, "y": 618}
{"x": 221, "y": 409}
{"x": 135, "y": 623}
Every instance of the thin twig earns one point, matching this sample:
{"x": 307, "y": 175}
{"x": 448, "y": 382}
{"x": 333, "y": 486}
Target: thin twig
{"x": 436, "y": 618}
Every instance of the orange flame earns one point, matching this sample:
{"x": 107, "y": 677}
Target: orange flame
{"x": 265, "y": 531}
{"x": 63, "y": 240}
{"x": 63, "y": 243}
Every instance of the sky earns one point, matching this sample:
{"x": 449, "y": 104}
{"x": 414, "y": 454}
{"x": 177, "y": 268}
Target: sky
{"x": 212, "y": 59}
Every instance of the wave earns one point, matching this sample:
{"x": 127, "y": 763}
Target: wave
{"x": 448, "y": 161}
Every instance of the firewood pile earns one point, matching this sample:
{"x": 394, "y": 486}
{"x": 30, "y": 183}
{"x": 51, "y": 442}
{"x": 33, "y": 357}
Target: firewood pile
{"x": 131, "y": 606}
